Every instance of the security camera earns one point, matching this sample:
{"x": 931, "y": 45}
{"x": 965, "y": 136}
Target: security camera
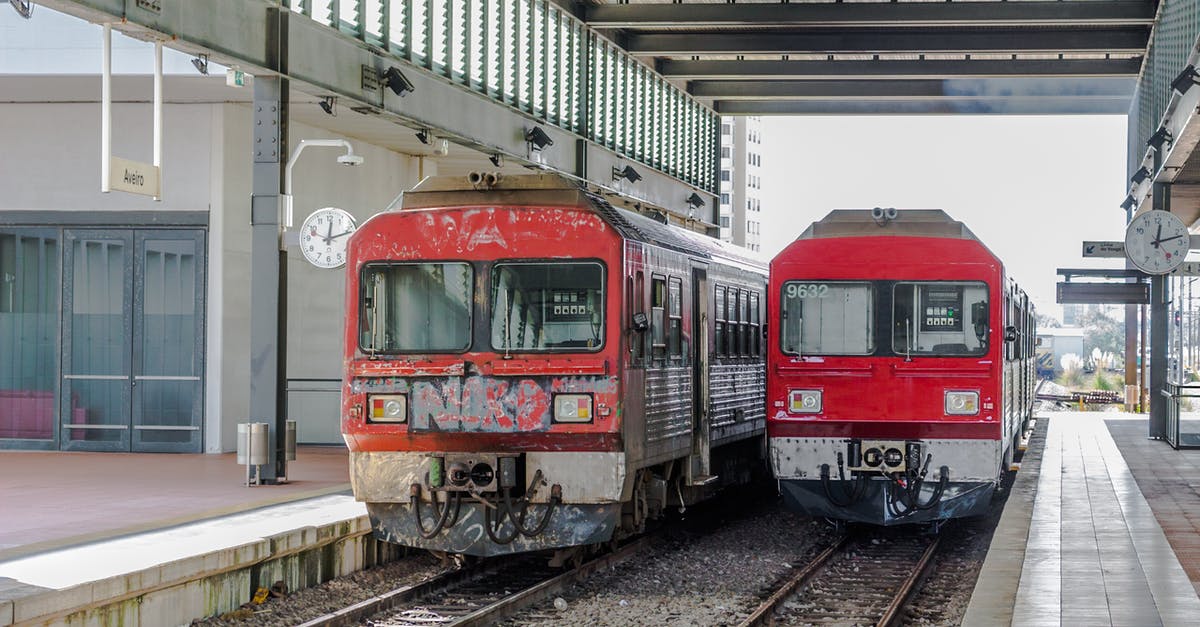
{"x": 350, "y": 160}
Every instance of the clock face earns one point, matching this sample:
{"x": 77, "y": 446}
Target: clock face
{"x": 1156, "y": 242}
{"x": 324, "y": 235}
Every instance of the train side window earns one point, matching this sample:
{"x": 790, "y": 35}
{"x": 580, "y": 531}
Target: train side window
{"x": 735, "y": 312}
{"x": 638, "y": 299}
{"x": 719, "y": 321}
{"x": 658, "y": 317}
{"x": 755, "y": 333}
{"x": 744, "y": 323}
{"x": 675, "y": 318}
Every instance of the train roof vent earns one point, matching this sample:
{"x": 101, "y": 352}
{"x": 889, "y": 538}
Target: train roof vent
{"x": 889, "y": 222}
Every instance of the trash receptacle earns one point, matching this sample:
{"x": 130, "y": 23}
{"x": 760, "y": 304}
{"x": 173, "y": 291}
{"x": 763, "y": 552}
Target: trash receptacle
{"x": 289, "y": 446}
{"x": 252, "y": 443}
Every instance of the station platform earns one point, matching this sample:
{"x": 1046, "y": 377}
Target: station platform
{"x": 102, "y": 538}
{"x": 1102, "y": 528}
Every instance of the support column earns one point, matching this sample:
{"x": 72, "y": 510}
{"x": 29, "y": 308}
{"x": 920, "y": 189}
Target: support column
{"x": 268, "y": 260}
{"x": 1158, "y": 333}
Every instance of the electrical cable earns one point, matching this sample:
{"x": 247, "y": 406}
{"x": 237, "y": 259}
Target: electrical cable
{"x": 440, "y": 512}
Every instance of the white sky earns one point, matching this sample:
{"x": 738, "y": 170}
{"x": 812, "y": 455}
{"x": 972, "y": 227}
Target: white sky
{"x": 1031, "y": 187}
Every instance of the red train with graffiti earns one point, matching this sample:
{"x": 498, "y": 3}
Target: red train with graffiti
{"x": 901, "y": 368}
{"x": 528, "y": 367}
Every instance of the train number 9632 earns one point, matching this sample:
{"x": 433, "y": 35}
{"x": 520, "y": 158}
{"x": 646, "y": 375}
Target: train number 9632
{"x": 806, "y": 290}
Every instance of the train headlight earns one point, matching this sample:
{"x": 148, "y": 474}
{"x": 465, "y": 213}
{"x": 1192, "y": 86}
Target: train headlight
{"x": 804, "y": 401}
{"x": 962, "y": 403}
{"x": 388, "y": 408}
{"x": 572, "y": 408}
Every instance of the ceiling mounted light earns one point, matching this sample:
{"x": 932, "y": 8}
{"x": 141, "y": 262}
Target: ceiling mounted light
{"x": 627, "y": 173}
{"x": 397, "y": 82}
{"x": 695, "y": 200}
{"x": 1160, "y": 137}
{"x": 538, "y": 138}
{"x": 328, "y": 104}
{"x": 201, "y": 63}
{"x": 1128, "y": 203}
{"x": 425, "y": 136}
{"x": 1142, "y": 174}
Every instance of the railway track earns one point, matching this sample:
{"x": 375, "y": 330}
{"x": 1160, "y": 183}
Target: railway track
{"x": 476, "y": 595}
{"x": 856, "y": 581}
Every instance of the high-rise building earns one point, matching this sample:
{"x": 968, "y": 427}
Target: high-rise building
{"x": 741, "y": 181}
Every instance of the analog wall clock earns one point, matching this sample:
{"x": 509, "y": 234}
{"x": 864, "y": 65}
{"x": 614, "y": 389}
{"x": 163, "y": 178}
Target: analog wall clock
{"x": 324, "y": 235}
{"x": 1157, "y": 242}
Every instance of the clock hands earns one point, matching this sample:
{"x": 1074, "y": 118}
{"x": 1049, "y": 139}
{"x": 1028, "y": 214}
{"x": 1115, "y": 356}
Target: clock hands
{"x": 1159, "y": 241}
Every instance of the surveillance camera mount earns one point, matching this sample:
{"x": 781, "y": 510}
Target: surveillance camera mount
{"x": 201, "y": 63}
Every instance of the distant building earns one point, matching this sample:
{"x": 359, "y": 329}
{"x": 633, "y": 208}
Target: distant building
{"x": 741, "y": 181}
{"x": 1053, "y": 344}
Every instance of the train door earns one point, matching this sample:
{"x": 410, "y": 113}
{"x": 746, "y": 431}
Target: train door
{"x": 132, "y": 340}
{"x": 699, "y": 468}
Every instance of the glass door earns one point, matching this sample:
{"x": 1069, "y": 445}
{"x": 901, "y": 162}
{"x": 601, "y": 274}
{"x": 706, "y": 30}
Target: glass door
{"x": 97, "y": 329}
{"x": 168, "y": 341}
{"x": 133, "y": 356}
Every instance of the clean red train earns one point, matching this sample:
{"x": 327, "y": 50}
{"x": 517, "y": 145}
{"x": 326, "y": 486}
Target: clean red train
{"x": 528, "y": 367}
{"x": 900, "y": 368}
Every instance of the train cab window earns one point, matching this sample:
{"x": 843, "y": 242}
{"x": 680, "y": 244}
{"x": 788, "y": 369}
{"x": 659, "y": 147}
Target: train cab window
{"x": 942, "y": 318}
{"x": 827, "y": 318}
{"x": 719, "y": 321}
{"x": 755, "y": 332}
{"x": 547, "y": 306}
{"x": 415, "y": 307}
{"x": 658, "y": 317}
{"x": 675, "y": 318}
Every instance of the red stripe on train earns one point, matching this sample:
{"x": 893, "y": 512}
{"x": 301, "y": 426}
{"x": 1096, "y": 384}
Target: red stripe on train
{"x": 884, "y": 430}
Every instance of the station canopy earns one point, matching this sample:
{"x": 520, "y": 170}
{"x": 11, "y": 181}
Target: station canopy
{"x": 762, "y": 57}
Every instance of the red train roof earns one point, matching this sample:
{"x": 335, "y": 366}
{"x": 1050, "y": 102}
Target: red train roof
{"x": 554, "y": 190}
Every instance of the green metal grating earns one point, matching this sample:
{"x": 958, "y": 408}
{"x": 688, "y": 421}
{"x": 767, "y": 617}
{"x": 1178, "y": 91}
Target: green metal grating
{"x": 1172, "y": 41}
{"x": 534, "y": 57}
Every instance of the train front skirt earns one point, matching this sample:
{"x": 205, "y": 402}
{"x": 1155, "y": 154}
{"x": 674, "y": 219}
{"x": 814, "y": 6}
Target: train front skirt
{"x": 569, "y": 525}
{"x": 877, "y": 506}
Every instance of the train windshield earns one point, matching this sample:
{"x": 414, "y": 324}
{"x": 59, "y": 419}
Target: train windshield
{"x": 415, "y": 308}
{"x": 547, "y": 306}
{"x": 940, "y": 318}
{"x": 827, "y": 318}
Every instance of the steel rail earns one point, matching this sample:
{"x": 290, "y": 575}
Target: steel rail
{"x": 357, "y": 612}
{"x": 763, "y": 614}
{"x": 511, "y": 604}
{"x": 353, "y": 614}
{"x": 904, "y": 594}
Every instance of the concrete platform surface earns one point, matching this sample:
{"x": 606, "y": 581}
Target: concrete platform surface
{"x": 1078, "y": 543}
{"x": 51, "y": 500}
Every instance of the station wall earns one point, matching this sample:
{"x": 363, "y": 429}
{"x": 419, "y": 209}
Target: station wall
{"x": 50, "y": 180}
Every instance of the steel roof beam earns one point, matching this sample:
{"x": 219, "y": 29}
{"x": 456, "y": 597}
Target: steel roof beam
{"x": 920, "y": 89}
{"x": 1072, "y": 105}
{"x": 896, "y": 69}
{"x": 878, "y": 14}
{"x": 1131, "y": 40}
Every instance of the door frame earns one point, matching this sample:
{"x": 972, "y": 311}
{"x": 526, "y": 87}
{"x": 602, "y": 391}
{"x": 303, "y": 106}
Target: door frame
{"x": 65, "y": 426}
{"x": 133, "y": 273}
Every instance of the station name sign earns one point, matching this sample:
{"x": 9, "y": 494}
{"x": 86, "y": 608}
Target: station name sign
{"x": 134, "y": 177}
{"x": 1104, "y": 293}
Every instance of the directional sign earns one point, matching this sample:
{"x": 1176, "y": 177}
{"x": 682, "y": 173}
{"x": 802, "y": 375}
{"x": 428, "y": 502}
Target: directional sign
{"x": 1104, "y": 293}
{"x": 134, "y": 177}
{"x": 1104, "y": 249}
